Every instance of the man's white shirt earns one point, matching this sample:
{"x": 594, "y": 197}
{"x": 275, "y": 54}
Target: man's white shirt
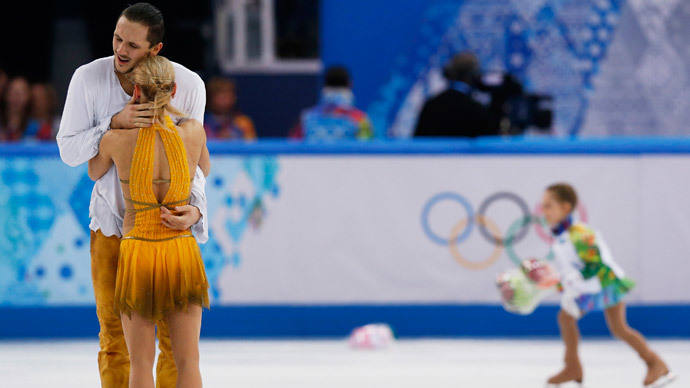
{"x": 93, "y": 97}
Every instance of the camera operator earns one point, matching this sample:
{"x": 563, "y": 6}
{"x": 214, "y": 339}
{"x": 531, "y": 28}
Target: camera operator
{"x": 455, "y": 112}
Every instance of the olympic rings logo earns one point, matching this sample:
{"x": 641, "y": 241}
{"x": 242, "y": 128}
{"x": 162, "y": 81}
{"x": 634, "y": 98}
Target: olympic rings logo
{"x": 488, "y": 229}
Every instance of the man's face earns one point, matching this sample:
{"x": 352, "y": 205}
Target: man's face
{"x": 130, "y": 45}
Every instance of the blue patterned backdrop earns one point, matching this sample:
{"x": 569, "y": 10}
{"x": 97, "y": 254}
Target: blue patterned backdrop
{"x": 238, "y": 191}
{"x": 44, "y": 241}
{"x": 612, "y": 67}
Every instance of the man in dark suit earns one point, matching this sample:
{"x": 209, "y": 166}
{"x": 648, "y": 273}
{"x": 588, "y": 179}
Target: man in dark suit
{"x": 454, "y": 112}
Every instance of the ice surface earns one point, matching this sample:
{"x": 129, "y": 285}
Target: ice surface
{"x": 331, "y": 364}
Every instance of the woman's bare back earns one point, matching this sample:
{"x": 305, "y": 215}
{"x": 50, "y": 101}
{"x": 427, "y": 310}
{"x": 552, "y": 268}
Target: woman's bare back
{"x": 124, "y": 142}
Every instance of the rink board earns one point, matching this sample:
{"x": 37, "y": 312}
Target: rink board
{"x": 333, "y": 322}
{"x": 310, "y": 240}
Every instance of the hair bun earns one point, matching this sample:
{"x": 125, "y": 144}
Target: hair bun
{"x": 156, "y": 77}
{"x": 166, "y": 88}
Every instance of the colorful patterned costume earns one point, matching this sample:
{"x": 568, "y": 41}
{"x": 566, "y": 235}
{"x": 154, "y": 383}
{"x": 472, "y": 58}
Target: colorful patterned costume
{"x": 160, "y": 270}
{"x": 588, "y": 272}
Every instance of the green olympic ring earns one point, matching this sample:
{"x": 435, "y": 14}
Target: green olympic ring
{"x": 519, "y": 224}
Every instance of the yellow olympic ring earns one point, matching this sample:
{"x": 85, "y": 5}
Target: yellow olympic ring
{"x": 475, "y": 265}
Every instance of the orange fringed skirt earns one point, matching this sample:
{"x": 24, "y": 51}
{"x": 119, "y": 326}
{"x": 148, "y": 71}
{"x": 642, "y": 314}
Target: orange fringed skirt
{"x": 158, "y": 278}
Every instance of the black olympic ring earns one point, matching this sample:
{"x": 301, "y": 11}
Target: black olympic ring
{"x": 525, "y": 215}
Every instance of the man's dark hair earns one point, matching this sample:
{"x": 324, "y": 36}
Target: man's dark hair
{"x": 337, "y": 77}
{"x": 463, "y": 67}
{"x": 149, "y": 16}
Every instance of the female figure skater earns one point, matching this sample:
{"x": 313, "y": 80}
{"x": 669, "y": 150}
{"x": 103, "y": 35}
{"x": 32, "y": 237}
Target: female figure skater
{"x": 591, "y": 280}
{"x": 160, "y": 270}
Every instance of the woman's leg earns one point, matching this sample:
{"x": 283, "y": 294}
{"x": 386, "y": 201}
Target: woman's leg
{"x": 185, "y": 329}
{"x": 618, "y": 325}
{"x": 571, "y": 338}
{"x": 166, "y": 373}
{"x": 140, "y": 337}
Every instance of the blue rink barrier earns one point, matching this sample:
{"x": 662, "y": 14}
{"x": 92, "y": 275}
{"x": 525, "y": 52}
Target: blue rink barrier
{"x": 408, "y": 321}
{"x": 491, "y": 146}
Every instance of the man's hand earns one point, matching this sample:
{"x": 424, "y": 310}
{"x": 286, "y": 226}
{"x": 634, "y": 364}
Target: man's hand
{"x": 187, "y": 216}
{"x": 133, "y": 116}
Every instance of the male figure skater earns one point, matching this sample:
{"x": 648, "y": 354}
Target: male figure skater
{"x": 99, "y": 98}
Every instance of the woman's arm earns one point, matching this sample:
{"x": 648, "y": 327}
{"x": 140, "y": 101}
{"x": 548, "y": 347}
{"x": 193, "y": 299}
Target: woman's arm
{"x": 205, "y": 160}
{"x": 198, "y": 134}
{"x": 101, "y": 163}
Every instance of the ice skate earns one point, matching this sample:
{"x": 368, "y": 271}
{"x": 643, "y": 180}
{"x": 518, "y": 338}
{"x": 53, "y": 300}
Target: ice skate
{"x": 662, "y": 381}
{"x": 572, "y": 373}
{"x": 566, "y": 384}
{"x": 658, "y": 374}
{"x": 573, "y": 384}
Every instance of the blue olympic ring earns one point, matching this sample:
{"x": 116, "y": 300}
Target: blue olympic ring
{"x": 447, "y": 196}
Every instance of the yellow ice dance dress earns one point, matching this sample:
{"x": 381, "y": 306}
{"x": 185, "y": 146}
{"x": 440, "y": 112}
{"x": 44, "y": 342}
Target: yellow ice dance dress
{"x": 160, "y": 270}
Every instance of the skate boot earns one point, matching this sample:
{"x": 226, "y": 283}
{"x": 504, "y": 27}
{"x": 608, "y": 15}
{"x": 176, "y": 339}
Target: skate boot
{"x": 658, "y": 374}
{"x": 572, "y": 372}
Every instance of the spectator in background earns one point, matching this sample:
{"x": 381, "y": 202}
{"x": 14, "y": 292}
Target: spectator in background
{"x": 222, "y": 119}
{"x": 3, "y": 85}
{"x": 334, "y": 117}
{"x": 14, "y": 117}
{"x": 44, "y": 121}
{"x": 454, "y": 112}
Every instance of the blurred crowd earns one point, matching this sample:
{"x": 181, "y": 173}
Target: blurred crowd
{"x": 332, "y": 118}
{"x": 29, "y": 111}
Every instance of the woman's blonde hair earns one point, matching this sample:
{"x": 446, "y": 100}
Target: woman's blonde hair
{"x": 155, "y": 76}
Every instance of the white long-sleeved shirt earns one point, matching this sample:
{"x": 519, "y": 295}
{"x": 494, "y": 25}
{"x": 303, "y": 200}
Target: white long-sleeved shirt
{"x": 93, "y": 97}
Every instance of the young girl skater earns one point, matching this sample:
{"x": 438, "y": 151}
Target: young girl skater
{"x": 591, "y": 280}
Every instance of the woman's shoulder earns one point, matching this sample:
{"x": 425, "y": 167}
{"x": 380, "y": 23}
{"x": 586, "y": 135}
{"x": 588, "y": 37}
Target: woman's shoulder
{"x": 114, "y": 141}
{"x": 191, "y": 125}
{"x": 119, "y": 136}
{"x": 192, "y": 131}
